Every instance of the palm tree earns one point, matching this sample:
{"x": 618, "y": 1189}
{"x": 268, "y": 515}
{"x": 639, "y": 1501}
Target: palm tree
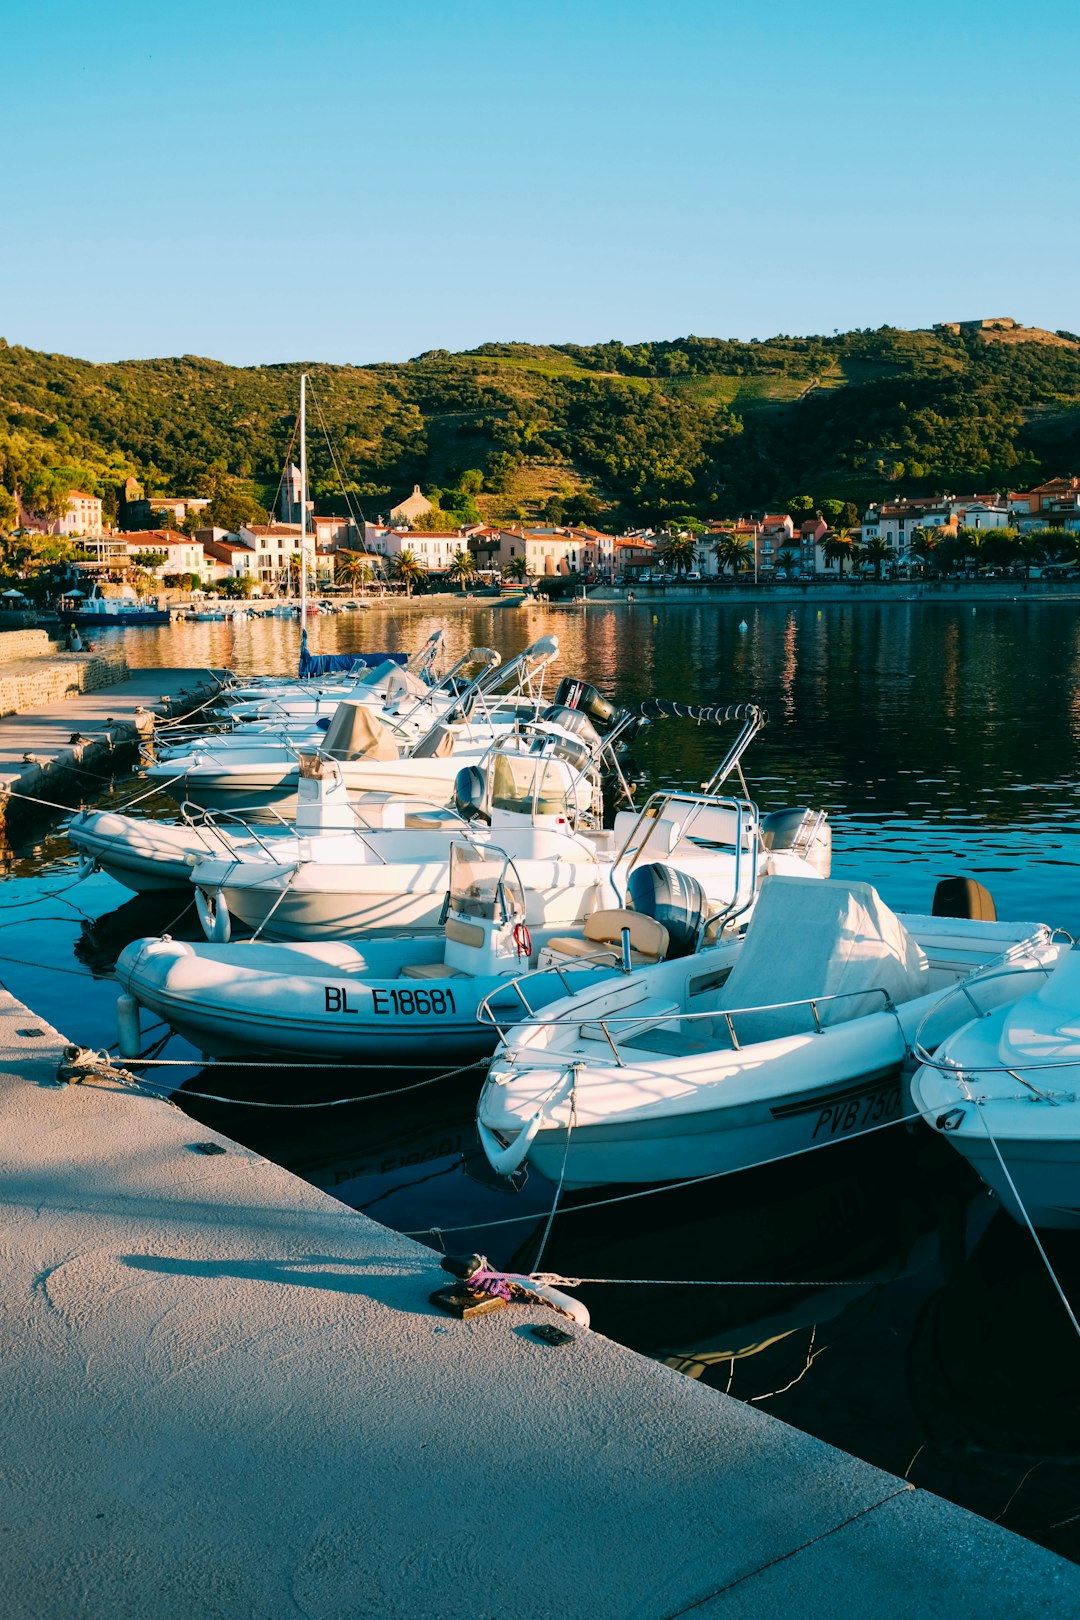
{"x": 516, "y": 568}
{"x": 409, "y": 568}
{"x": 876, "y": 551}
{"x": 858, "y": 557}
{"x": 679, "y": 550}
{"x": 837, "y": 549}
{"x": 732, "y": 551}
{"x": 924, "y": 542}
{"x": 355, "y": 572}
{"x": 785, "y": 560}
{"x": 463, "y": 568}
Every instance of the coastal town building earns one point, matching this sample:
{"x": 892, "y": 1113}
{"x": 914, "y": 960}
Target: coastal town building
{"x": 177, "y": 507}
{"x": 227, "y": 556}
{"x": 275, "y": 546}
{"x": 82, "y": 517}
{"x": 412, "y": 507}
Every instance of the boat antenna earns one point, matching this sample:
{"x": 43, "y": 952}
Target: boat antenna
{"x": 303, "y": 499}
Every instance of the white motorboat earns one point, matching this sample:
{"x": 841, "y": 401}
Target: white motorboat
{"x": 264, "y": 776}
{"x": 1004, "y": 1090}
{"x": 796, "y": 1035}
{"x": 407, "y": 999}
{"x": 352, "y": 676}
{"x": 147, "y": 855}
{"x": 539, "y": 791}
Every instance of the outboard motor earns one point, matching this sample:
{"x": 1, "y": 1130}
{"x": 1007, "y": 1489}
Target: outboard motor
{"x": 963, "y": 897}
{"x": 581, "y": 695}
{"x": 801, "y": 832}
{"x": 672, "y": 898}
{"x": 572, "y": 720}
{"x": 471, "y": 795}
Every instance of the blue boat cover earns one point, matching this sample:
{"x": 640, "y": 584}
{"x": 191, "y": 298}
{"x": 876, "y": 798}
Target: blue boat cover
{"x": 316, "y": 664}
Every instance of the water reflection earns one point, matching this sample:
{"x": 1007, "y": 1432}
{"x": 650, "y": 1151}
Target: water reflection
{"x": 940, "y": 741}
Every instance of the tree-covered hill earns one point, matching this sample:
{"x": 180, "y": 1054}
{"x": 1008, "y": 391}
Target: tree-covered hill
{"x": 628, "y": 432}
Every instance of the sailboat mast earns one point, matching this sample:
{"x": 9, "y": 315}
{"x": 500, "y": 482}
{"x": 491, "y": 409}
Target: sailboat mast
{"x": 303, "y": 498}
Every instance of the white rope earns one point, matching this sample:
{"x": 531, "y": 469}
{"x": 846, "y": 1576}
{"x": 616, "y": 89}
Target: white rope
{"x": 101, "y": 1064}
{"x": 558, "y": 1281}
{"x": 649, "y": 1192}
{"x": 1027, "y": 1219}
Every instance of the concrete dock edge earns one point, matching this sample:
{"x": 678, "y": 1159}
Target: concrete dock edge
{"x": 227, "y": 1394}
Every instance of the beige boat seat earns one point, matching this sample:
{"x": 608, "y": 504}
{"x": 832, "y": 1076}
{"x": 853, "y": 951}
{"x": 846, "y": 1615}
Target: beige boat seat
{"x": 431, "y": 970}
{"x": 648, "y": 938}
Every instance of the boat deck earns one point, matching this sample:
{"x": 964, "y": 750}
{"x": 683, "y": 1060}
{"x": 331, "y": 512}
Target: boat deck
{"x": 225, "y": 1392}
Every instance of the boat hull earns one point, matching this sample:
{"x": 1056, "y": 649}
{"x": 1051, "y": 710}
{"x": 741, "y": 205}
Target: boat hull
{"x": 331, "y": 1003}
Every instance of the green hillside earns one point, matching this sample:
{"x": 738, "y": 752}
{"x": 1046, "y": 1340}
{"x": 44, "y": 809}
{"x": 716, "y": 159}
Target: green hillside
{"x": 623, "y": 432}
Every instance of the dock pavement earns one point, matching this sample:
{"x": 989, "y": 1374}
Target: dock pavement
{"x": 71, "y": 743}
{"x": 226, "y": 1394}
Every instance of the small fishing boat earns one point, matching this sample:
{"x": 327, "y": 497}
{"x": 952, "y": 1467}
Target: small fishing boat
{"x": 405, "y": 999}
{"x": 794, "y": 1035}
{"x": 103, "y": 612}
{"x": 1004, "y": 1090}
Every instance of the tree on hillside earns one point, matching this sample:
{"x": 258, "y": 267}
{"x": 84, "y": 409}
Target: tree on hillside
{"x": 463, "y": 568}
{"x": 408, "y": 567}
{"x": 9, "y": 509}
{"x": 46, "y": 495}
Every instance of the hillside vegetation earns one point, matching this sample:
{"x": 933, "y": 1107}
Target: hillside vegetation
{"x": 627, "y": 433}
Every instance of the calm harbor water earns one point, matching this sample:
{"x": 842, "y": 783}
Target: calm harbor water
{"x": 920, "y": 1330}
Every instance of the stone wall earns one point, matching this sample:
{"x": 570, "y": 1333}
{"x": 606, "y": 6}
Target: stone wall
{"x": 35, "y": 683}
{"x": 24, "y": 644}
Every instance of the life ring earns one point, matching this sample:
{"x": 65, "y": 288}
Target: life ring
{"x": 214, "y": 916}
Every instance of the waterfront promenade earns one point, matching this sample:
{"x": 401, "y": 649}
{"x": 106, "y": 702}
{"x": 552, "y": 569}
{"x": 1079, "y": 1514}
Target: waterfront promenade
{"x": 72, "y": 743}
{"x": 227, "y": 1394}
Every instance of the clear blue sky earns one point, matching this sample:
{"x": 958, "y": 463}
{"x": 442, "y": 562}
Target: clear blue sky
{"x": 353, "y": 182}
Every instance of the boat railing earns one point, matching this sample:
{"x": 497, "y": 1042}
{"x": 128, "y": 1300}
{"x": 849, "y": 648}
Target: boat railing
{"x": 924, "y": 1056}
{"x": 607, "y": 1021}
{"x": 745, "y": 843}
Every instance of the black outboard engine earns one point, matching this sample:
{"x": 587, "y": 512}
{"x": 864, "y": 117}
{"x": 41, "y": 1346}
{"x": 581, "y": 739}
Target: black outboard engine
{"x": 471, "y": 796}
{"x": 672, "y": 898}
{"x": 581, "y": 695}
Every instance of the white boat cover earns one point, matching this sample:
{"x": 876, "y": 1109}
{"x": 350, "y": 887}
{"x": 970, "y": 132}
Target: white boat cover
{"x": 813, "y": 938}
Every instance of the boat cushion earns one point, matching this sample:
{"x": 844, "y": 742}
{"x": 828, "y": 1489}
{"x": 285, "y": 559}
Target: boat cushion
{"x": 431, "y": 970}
{"x": 464, "y": 933}
{"x": 813, "y": 938}
{"x": 592, "y": 950}
{"x": 648, "y": 938}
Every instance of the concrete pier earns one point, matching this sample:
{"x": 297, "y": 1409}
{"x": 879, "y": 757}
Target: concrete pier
{"x": 225, "y": 1394}
{"x": 43, "y": 753}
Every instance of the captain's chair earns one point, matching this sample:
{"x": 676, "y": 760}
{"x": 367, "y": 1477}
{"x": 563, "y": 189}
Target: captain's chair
{"x": 601, "y": 940}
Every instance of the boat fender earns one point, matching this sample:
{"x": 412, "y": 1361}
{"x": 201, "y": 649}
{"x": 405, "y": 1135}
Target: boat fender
{"x": 128, "y": 1032}
{"x": 951, "y": 1120}
{"x": 214, "y": 917}
{"x": 87, "y": 865}
{"x": 505, "y": 1160}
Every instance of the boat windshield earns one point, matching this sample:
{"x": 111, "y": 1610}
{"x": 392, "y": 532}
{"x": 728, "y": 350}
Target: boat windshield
{"x": 484, "y": 884}
{"x": 531, "y": 784}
